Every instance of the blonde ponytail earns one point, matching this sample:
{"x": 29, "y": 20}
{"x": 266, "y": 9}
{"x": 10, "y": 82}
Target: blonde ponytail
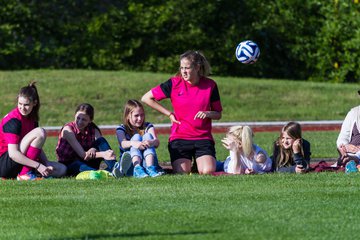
{"x": 247, "y": 140}
{"x": 245, "y": 135}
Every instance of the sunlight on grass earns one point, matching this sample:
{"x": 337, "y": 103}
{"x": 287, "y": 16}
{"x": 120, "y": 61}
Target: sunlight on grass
{"x": 183, "y": 207}
{"x": 243, "y": 99}
{"x": 269, "y": 206}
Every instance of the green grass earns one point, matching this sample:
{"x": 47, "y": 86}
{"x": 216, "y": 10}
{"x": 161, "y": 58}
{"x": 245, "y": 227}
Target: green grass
{"x": 273, "y": 206}
{"x": 243, "y": 99}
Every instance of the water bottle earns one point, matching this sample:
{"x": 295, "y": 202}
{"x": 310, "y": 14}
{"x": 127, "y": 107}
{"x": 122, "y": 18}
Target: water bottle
{"x": 351, "y": 167}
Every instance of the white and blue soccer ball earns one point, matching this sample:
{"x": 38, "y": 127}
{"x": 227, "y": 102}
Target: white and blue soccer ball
{"x": 247, "y": 52}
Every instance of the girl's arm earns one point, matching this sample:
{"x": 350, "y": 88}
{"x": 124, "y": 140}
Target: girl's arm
{"x": 126, "y": 144}
{"x": 215, "y": 112}
{"x": 69, "y": 136}
{"x": 149, "y": 99}
{"x": 236, "y": 164}
{"x": 260, "y": 158}
{"x": 346, "y": 129}
{"x": 231, "y": 144}
{"x": 298, "y": 155}
{"x": 94, "y": 153}
{"x": 154, "y": 142}
{"x": 19, "y": 157}
{"x": 208, "y": 114}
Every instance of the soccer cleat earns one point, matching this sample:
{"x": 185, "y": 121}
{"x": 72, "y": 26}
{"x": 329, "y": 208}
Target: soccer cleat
{"x": 28, "y": 177}
{"x": 139, "y": 172}
{"x": 152, "y": 171}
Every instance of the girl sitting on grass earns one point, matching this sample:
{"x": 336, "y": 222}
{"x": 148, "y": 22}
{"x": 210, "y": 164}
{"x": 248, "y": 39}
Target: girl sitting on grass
{"x": 81, "y": 147}
{"x": 291, "y": 152}
{"x": 137, "y": 141}
{"x": 21, "y": 141}
{"x": 348, "y": 141}
{"x": 245, "y": 157}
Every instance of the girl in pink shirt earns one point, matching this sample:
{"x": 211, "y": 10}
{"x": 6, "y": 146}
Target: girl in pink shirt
{"x": 196, "y": 101}
{"x": 21, "y": 141}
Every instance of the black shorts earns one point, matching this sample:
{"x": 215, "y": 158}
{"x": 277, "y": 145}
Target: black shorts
{"x": 190, "y": 149}
{"x": 8, "y": 167}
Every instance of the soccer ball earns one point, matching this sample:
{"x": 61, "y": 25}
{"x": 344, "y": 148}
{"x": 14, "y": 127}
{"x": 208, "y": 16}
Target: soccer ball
{"x": 247, "y": 52}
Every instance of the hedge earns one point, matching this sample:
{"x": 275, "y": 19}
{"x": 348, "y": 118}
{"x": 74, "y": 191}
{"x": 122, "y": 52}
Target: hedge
{"x": 299, "y": 39}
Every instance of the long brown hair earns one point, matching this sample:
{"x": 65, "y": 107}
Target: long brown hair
{"x": 30, "y": 92}
{"x": 285, "y": 156}
{"x": 129, "y": 107}
{"x": 197, "y": 58}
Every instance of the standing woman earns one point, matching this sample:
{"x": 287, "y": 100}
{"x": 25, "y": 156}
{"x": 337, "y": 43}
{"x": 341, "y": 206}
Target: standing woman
{"x": 21, "y": 140}
{"x": 196, "y": 101}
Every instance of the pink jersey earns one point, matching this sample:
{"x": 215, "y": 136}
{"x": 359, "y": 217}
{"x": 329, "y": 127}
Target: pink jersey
{"x": 13, "y": 128}
{"x": 187, "y": 100}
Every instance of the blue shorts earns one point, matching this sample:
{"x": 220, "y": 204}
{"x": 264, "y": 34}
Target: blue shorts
{"x": 190, "y": 149}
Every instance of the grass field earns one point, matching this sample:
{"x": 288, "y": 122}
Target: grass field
{"x": 271, "y": 206}
{"x": 243, "y": 99}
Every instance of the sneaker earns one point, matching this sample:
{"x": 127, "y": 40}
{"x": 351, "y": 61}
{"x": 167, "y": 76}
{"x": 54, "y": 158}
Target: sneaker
{"x": 125, "y": 162}
{"x": 350, "y": 167}
{"x": 139, "y": 172}
{"x": 116, "y": 171}
{"x": 152, "y": 171}
{"x": 28, "y": 177}
{"x": 122, "y": 166}
{"x": 160, "y": 170}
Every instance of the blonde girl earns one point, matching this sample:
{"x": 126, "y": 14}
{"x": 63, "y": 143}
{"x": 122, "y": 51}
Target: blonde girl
{"x": 137, "y": 141}
{"x": 291, "y": 152}
{"x": 245, "y": 157}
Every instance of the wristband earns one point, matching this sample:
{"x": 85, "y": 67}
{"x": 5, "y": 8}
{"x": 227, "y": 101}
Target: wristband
{"x": 38, "y": 166}
{"x": 170, "y": 114}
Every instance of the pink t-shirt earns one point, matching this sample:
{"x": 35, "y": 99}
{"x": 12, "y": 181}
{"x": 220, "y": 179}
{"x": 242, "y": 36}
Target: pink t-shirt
{"x": 13, "y": 128}
{"x": 187, "y": 100}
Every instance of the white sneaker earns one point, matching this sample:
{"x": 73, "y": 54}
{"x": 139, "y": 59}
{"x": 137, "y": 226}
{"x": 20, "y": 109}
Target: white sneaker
{"x": 116, "y": 171}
